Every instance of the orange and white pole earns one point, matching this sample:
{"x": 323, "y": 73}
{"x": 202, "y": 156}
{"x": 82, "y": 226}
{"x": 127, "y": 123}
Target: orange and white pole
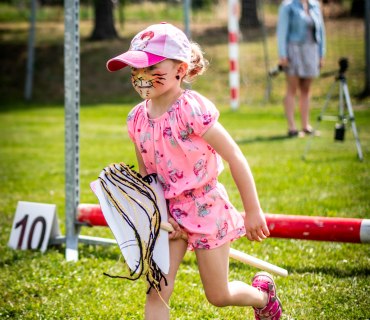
{"x": 233, "y": 29}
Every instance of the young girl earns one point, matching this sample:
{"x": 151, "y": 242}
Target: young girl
{"x": 177, "y": 136}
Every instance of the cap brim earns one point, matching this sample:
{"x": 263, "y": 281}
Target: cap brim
{"x": 136, "y": 59}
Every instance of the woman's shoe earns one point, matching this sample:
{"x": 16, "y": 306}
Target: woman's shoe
{"x": 292, "y": 133}
{"x": 308, "y": 131}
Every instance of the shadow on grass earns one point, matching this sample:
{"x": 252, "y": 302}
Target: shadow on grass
{"x": 108, "y": 252}
{"x": 262, "y": 139}
{"x": 351, "y": 271}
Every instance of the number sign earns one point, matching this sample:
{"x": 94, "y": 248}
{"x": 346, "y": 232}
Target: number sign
{"x": 34, "y": 224}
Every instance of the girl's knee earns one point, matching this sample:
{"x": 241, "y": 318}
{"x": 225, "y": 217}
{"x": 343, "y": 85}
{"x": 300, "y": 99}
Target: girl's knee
{"x": 217, "y": 299}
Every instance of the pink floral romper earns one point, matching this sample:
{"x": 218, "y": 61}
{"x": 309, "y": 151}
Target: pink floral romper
{"x": 187, "y": 167}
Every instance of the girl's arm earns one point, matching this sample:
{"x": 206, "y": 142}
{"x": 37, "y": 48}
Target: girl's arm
{"x": 226, "y": 147}
{"x": 140, "y": 162}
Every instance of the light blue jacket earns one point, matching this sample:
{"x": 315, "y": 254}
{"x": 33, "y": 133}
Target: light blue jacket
{"x": 292, "y": 25}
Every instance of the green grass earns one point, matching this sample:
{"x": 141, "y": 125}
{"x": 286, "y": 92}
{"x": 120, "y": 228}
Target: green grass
{"x": 326, "y": 281}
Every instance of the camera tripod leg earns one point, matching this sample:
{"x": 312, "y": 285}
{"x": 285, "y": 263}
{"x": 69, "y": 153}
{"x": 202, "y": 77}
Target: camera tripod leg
{"x": 341, "y": 116}
{"x": 352, "y": 119}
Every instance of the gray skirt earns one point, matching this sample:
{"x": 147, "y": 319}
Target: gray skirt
{"x": 304, "y": 60}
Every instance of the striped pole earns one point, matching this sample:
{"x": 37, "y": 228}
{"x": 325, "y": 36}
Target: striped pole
{"x": 281, "y": 226}
{"x": 233, "y": 28}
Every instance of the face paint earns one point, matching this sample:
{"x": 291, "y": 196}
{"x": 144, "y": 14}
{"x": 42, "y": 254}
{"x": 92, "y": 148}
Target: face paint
{"x": 155, "y": 81}
{"x": 144, "y": 81}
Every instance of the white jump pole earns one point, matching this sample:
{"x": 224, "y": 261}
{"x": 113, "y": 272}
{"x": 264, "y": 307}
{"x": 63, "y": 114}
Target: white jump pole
{"x": 92, "y": 215}
{"x": 233, "y": 30}
{"x": 243, "y": 257}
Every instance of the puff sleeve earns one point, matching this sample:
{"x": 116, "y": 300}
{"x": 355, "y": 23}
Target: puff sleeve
{"x": 197, "y": 113}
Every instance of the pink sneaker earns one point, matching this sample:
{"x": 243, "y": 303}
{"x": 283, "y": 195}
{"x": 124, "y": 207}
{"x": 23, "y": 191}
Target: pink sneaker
{"x": 272, "y": 311}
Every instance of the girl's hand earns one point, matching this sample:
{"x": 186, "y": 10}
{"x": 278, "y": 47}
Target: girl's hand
{"x": 177, "y": 232}
{"x": 256, "y": 226}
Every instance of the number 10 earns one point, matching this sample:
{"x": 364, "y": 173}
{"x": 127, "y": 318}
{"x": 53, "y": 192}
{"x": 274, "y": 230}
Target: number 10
{"x": 23, "y": 224}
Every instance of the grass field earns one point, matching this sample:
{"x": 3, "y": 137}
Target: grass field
{"x": 326, "y": 280}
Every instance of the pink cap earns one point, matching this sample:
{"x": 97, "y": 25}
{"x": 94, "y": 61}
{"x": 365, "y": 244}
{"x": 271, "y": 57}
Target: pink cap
{"x": 153, "y": 45}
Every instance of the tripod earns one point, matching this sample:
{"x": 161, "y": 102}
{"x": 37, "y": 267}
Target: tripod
{"x": 344, "y": 99}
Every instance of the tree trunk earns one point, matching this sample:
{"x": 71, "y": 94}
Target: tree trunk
{"x": 249, "y": 17}
{"x": 104, "y": 21}
{"x": 358, "y": 8}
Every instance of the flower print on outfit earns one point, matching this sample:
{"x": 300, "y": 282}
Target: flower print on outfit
{"x": 187, "y": 167}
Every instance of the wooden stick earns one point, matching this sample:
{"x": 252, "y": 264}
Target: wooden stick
{"x": 242, "y": 257}
{"x": 92, "y": 214}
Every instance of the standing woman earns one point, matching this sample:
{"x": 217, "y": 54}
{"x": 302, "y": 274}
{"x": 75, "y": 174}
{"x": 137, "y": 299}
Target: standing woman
{"x": 301, "y": 43}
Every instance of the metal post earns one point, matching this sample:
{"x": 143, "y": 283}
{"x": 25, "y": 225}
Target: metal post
{"x": 30, "y": 53}
{"x": 260, "y": 7}
{"x": 367, "y": 48}
{"x": 187, "y": 11}
{"x": 72, "y": 106}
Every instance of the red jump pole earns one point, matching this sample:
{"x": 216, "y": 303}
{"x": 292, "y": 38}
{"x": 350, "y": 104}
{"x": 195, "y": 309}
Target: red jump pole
{"x": 91, "y": 214}
{"x": 280, "y": 226}
{"x": 319, "y": 228}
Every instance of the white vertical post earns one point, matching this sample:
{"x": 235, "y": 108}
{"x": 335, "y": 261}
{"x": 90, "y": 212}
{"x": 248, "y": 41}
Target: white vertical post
{"x": 72, "y": 109}
{"x": 30, "y": 53}
{"x": 187, "y": 12}
{"x": 233, "y": 29}
{"x": 367, "y": 47}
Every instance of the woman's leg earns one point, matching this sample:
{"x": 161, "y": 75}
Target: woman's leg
{"x": 214, "y": 268}
{"x": 155, "y": 308}
{"x": 289, "y": 100}
{"x": 304, "y": 103}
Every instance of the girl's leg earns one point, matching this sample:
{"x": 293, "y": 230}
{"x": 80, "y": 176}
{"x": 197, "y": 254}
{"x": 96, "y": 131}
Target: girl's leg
{"x": 289, "y": 100}
{"x": 214, "y": 268}
{"x": 155, "y": 308}
{"x": 304, "y": 103}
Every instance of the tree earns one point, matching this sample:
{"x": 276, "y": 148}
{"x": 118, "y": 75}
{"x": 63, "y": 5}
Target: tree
{"x": 104, "y": 21}
{"x": 249, "y": 17}
{"x": 358, "y": 8}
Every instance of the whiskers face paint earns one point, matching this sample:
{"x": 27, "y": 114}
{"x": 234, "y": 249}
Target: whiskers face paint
{"x": 146, "y": 80}
{"x": 153, "y": 81}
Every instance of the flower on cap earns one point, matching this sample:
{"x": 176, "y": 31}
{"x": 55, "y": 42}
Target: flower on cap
{"x": 140, "y": 43}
